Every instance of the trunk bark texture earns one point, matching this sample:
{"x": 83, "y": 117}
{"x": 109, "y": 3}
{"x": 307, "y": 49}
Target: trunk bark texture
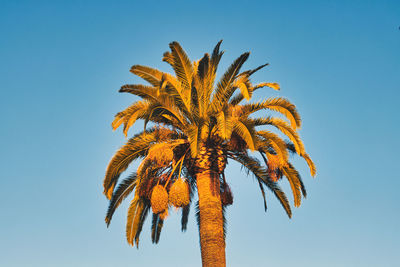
{"x": 212, "y": 240}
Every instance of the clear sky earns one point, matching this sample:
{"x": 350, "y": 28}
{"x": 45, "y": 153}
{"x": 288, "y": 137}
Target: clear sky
{"x": 62, "y": 63}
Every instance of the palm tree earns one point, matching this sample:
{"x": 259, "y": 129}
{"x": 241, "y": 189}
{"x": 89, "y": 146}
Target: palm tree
{"x": 192, "y": 126}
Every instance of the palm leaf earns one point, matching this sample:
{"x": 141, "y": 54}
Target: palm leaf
{"x": 311, "y": 164}
{"x": 123, "y": 190}
{"x": 286, "y": 108}
{"x": 142, "y": 218}
{"x": 294, "y": 184}
{"x": 250, "y": 72}
{"x": 185, "y": 217}
{"x": 156, "y": 227}
{"x": 134, "y": 214}
{"x": 223, "y": 92}
{"x": 285, "y": 129}
{"x": 182, "y": 66}
{"x": 246, "y": 133}
{"x": 151, "y": 75}
{"x": 260, "y": 173}
{"x": 263, "y": 194}
{"x": 136, "y": 147}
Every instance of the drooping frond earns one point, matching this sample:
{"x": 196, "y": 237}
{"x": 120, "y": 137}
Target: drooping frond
{"x": 294, "y": 184}
{"x": 285, "y": 129}
{"x": 260, "y": 173}
{"x": 243, "y": 83}
{"x": 263, "y": 194}
{"x": 277, "y": 104}
{"x": 137, "y": 212}
{"x": 133, "y": 112}
{"x": 272, "y": 140}
{"x": 239, "y": 97}
{"x": 185, "y": 217}
{"x": 135, "y": 148}
{"x": 156, "y": 227}
{"x": 284, "y": 107}
{"x": 142, "y": 218}
{"x": 246, "y": 133}
{"x": 311, "y": 164}
{"x": 123, "y": 190}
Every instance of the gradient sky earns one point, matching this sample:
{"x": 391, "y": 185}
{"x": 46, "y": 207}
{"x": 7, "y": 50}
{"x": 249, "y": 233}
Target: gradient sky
{"x": 62, "y": 63}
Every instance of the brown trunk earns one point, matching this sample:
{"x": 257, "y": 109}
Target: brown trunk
{"x": 211, "y": 222}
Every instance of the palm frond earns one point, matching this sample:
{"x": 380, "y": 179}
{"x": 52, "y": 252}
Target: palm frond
{"x": 214, "y": 61}
{"x": 263, "y": 194}
{"x": 193, "y": 137}
{"x": 135, "y": 211}
{"x": 203, "y": 85}
{"x": 277, "y": 104}
{"x": 185, "y": 217}
{"x": 223, "y": 92}
{"x": 274, "y": 86}
{"x": 225, "y": 124}
{"x": 286, "y": 108}
{"x": 136, "y": 147}
{"x": 243, "y": 83}
{"x": 123, "y": 190}
{"x": 142, "y": 218}
{"x": 151, "y": 75}
{"x": 250, "y": 72}
{"x": 272, "y": 140}
{"x": 167, "y": 57}
{"x": 156, "y": 227}
{"x": 246, "y": 133}
{"x": 181, "y": 64}
{"x": 260, "y": 173}
{"x": 311, "y": 164}
{"x": 282, "y": 126}
{"x": 295, "y": 185}
{"x": 123, "y": 116}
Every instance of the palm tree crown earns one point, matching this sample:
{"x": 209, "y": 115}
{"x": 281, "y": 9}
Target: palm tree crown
{"x": 193, "y": 125}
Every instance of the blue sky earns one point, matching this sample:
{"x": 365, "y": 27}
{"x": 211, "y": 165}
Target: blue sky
{"x": 62, "y": 63}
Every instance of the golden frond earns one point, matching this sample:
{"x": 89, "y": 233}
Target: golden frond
{"x": 224, "y": 125}
{"x": 275, "y": 142}
{"x": 182, "y": 65}
{"x": 151, "y": 75}
{"x": 284, "y": 107}
{"x": 274, "y": 86}
{"x": 311, "y": 164}
{"x": 282, "y": 126}
{"x": 193, "y": 137}
{"x": 136, "y": 147}
{"x": 294, "y": 185}
{"x": 246, "y": 133}
{"x": 223, "y": 91}
{"x": 135, "y": 213}
{"x": 243, "y": 83}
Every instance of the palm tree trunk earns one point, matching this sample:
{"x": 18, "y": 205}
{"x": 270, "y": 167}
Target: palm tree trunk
{"x": 212, "y": 240}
